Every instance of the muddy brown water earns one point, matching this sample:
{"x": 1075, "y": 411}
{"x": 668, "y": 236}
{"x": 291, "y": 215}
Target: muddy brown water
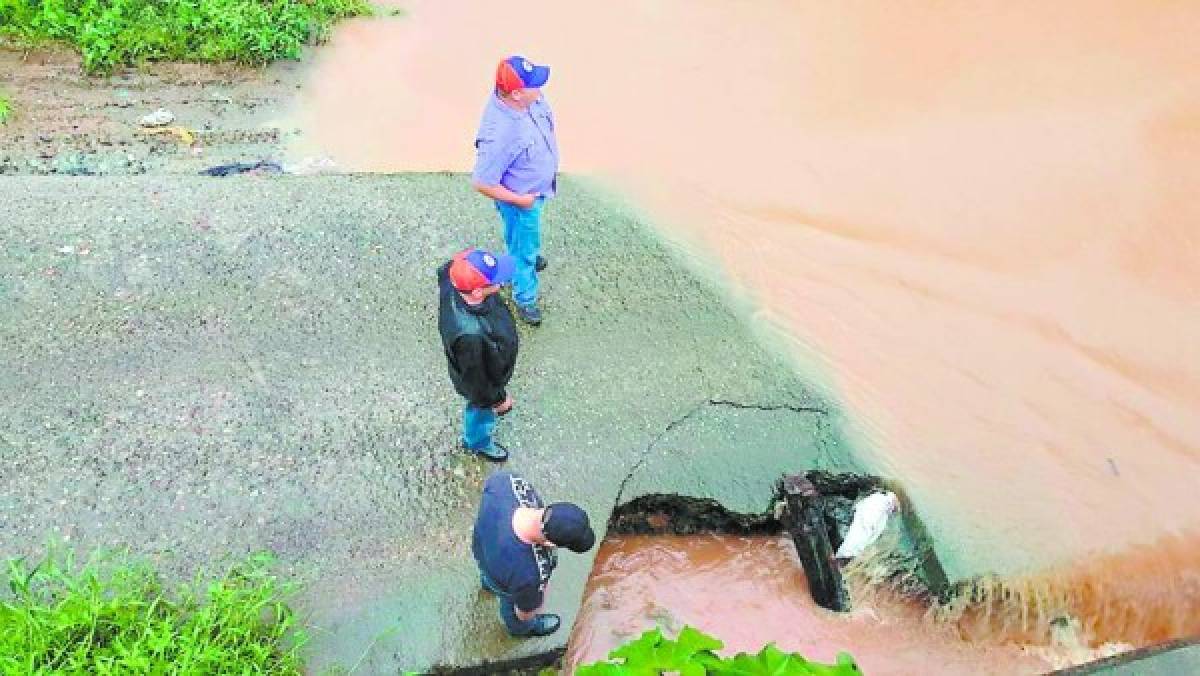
{"x": 976, "y": 224}
{"x": 750, "y": 591}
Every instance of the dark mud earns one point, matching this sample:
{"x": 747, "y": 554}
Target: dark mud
{"x": 521, "y": 666}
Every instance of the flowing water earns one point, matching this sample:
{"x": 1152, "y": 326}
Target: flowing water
{"x": 750, "y": 591}
{"x": 978, "y": 224}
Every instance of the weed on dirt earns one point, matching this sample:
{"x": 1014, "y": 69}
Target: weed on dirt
{"x": 113, "y": 615}
{"x": 112, "y": 33}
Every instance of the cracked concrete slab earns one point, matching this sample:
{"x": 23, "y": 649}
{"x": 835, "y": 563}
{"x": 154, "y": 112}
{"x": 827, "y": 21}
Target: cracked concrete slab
{"x": 198, "y": 368}
{"x": 734, "y": 453}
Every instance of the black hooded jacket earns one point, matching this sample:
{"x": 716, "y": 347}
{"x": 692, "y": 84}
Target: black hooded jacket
{"x": 480, "y": 343}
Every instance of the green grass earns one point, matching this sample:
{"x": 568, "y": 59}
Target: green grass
{"x": 113, "y": 616}
{"x": 111, "y": 33}
{"x": 5, "y": 108}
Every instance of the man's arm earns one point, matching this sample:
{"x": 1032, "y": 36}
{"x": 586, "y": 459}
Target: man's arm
{"x": 500, "y": 193}
{"x": 493, "y": 157}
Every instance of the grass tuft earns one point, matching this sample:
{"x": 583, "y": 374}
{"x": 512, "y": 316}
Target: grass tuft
{"x": 112, "y": 33}
{"x": 112, "y": 616}
{"x": 5, "y": 108}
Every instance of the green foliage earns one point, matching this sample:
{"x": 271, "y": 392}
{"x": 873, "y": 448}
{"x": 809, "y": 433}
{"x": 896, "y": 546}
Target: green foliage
{"x": 112, "y": 33}
{"x": 5, "y": 109}
{"x": 113, "y": 617}
{"x": 693, "y": 653}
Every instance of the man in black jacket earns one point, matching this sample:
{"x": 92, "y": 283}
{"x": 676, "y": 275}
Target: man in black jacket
{"x": 480, "y": 340}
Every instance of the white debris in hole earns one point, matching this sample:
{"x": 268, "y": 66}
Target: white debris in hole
{"x": 870, "y": 519}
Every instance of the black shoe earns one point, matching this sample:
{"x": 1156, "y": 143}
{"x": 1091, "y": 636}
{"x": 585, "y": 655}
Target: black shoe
{"x": 544, "y": 625}
{"x": 540, "y": 263}
{"x": 529, "y": 314}
{"x": 495, "y": 452}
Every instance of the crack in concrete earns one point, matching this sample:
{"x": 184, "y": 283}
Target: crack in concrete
{"x": 767, "y": 407}
{"x": 690, "y": 414}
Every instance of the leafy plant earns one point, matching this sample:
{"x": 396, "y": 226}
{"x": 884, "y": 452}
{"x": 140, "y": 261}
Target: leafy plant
{"x": 5, "y": 109}
{"x": 113, "y": 616}
{"x": 693, "y": 653}
{"x": 111, "y": 33}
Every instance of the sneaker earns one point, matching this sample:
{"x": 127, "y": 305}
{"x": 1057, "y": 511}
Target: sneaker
{"x": 544, "y": 625}
{"x": 530, "y": 314}
{"x": 495, "y": 452}
{"x": 540, "y": 263}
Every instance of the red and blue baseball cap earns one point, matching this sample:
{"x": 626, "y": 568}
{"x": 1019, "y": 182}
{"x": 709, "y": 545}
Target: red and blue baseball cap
{"x": 517, "y": 72}
{"x": 475, "y": 268}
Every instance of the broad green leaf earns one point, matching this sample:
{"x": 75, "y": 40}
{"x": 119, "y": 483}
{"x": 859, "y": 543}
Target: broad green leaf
{"x": 640, "y": 649}
{"x": 693, "y": 641}
{"x": 603, "y": 669}
{"x": 771, "y": 661}
{"x": 846, "y": 666}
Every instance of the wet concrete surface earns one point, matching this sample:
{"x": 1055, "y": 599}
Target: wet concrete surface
{"x": 198, "y": 368}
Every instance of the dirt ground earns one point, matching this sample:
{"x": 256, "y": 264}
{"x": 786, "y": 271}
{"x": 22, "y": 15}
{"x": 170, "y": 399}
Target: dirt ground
{"x": 65, "y": 122}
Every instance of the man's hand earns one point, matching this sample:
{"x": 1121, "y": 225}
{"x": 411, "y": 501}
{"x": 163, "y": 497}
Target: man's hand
{"x": 499, "y": 192}
{"x": 504, "y": 406}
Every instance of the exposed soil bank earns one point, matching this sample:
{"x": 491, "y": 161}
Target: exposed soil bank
{"x": 67, "y": 123}
{"x": 204, "y": 367}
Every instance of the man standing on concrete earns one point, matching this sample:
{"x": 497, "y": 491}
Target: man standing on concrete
{"x": 516, "y": 165}
{"x": 480, "y": 341}
{"x": 514, "y": 543}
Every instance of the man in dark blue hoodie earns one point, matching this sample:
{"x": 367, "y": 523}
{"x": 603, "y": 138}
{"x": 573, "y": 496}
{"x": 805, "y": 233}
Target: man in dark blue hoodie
{"x": 480, "y": 341}
{"x": 514, "y": 543}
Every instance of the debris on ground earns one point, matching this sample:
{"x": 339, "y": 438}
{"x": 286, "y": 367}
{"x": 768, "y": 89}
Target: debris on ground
{"x": 159, "y": 118}
{"x": 260, "y": 167}
{"x": 185, "y": 135}
{"x": 870, "y": 519}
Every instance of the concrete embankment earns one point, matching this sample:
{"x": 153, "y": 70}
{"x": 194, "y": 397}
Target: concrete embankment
{"x": 197, "y": 368}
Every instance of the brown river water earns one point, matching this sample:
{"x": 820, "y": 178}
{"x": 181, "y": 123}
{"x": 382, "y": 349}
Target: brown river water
{"x": 750, "y": 591}
{"x": 976, "y": 224}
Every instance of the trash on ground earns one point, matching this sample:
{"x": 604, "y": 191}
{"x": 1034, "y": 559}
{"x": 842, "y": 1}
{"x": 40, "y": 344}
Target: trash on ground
{"x": 870, "y": 519}
{"x": 159, "y": 118}
{"x": 185, "y": 135}
{"x": 261, "y": 167}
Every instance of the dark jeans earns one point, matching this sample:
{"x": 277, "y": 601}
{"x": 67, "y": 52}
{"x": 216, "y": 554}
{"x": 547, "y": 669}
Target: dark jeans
{"x": 508, "y": 610}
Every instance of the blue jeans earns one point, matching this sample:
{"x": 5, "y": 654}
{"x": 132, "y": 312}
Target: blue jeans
{"x": 508, "y": 610}
{"x": 523, "y": 238}
{"x": 478, "y": 425}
